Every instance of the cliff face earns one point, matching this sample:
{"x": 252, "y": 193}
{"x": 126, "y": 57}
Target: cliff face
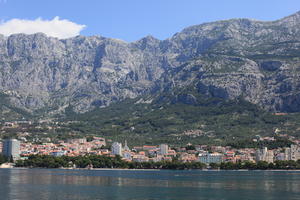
{"x": 259, "y": 61}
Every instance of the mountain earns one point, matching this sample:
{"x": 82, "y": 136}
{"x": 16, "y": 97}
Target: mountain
{"x": 231, "y": 59}
{"x": 9, "y": 112}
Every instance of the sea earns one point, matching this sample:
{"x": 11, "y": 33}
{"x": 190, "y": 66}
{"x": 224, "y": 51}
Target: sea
{"x": 56, "y": 184}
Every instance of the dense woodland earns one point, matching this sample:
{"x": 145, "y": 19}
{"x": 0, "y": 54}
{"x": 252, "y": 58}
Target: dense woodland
{"x": 36, "y": 161}
{"x": 260, "y": 165}
{"x": 3, "y": 159}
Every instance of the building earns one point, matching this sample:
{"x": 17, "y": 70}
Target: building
{"x": 163, "y": 149}
{"x": 57, "y": 153}
{"x": 140, "y": 158}
{"x": 116, "y": 148}
{"x": 230, "y": 156}
{"x": 127, "y": 155}
{"x": 148, "y": 147}
{"x": 1, "y": 145}
{"x": 77, "y": 140}
{"x": 265, "y": 155}
{"x": 292, "y": 153}
{"x": 11, "y": 148}
{"x": 185, "y": 157}
{"x": 208, "y": 158}
{"x": 295, "y": 152}
{"x": 280, "y": 156}
{"x": 270, "y": 156}
{"x": 126, "y": 148}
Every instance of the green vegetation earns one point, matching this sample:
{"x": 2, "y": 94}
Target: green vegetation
{"x": 217, "y": 121}
{"x": 101, "y": 162}
{"x": 261, "y": 165}
{"x": 9, "y": 112}
{"x": 279, "y": 142}
{"x": 177, "y": 118}
{"x": 3, "y": 159}
{"x": 38, "y": 161}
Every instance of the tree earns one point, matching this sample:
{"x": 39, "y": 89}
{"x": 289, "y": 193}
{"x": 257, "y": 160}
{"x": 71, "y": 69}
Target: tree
{"x": 190, "y": 147}
{"x": 214, "y": 165}
{"x": 3, "y": 159}
{"x": 262, "y": 165}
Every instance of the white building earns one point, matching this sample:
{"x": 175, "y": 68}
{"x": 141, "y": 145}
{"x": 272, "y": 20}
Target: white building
{"x": 126, "y": 148}
{"x": 11, "y": 148}
{"x": 116, "y": 148}
{"x": 292, "y": 153}
{"x": 280, "y": 156}
{"x": 127, "y": 155}
{"x": 287, "y": 153}
{"x": 77, "y": 141}
{"x": 265, "y": 155}
{"x": 140, "y": 158}
{"x": 163, "y": 149}
{"x": 208, "y": 158}
{"x": 295, "y": 152}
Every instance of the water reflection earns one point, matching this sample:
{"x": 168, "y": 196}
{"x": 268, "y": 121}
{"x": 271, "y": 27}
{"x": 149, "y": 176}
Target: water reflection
{"x": 112, "y": 184}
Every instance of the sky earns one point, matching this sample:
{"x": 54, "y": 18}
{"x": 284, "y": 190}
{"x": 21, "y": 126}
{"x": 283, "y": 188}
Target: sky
{"x": 130, "y": 20}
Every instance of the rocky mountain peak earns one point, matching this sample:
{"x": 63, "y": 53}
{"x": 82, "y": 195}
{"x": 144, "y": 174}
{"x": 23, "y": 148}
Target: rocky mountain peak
{"x": 148, "y": 42}
{"x": 290, "y": 21}
{"x": 225, "y": 59}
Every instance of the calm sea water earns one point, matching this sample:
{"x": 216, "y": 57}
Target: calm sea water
{"x": 40, "y": 184}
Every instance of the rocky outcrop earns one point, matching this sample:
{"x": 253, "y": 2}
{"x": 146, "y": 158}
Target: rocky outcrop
{"x": 259, "y": 61}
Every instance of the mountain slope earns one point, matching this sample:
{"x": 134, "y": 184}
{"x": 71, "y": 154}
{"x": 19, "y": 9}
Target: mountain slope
{"x": 258, "y": 61}
{"x": 181, "y": 117}
{"x": 10, "y": 113}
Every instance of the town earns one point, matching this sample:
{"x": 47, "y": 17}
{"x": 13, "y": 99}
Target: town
{"x": 20, "y": 148}
{"x": 15, "y": 150}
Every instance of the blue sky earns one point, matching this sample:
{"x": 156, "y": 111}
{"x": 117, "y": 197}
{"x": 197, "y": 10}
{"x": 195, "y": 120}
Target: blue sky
{"x": 131, "y": 20}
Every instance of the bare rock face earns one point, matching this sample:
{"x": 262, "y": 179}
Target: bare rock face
{"x": 259, "y": 61}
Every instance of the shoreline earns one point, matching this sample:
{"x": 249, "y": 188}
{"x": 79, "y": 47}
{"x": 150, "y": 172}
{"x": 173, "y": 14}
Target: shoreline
{"x": 124, "y": 169}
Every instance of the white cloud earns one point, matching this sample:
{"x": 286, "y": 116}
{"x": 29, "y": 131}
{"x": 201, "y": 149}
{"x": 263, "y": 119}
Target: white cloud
{"x": 60, "y": 28}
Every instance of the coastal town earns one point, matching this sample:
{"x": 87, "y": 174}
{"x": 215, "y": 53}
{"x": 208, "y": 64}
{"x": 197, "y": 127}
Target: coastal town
{"x": 20, "y": 149}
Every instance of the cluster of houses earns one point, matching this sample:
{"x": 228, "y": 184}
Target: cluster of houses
{"x": 71, "y": 147}
{"x": 21, "y": 148}
{"x": 146, "y": 153}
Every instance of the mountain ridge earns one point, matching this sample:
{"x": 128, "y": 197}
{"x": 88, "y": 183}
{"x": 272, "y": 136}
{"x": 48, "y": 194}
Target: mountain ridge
{"x": 226, "y": 59}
